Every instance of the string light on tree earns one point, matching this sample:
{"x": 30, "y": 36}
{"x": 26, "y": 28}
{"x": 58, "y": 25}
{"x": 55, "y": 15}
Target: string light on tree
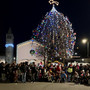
{"x": 55, "y": 32}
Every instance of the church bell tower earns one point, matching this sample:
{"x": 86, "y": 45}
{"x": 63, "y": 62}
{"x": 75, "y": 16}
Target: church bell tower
{"x": 9, "y": 46}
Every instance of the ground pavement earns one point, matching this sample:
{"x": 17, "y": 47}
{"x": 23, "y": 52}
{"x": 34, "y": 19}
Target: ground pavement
{"x": 43, "y": 86}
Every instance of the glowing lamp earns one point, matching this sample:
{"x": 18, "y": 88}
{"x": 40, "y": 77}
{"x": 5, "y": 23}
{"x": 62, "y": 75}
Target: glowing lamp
{"x": 9, "y": 45}
{"x": 84, "y": 41}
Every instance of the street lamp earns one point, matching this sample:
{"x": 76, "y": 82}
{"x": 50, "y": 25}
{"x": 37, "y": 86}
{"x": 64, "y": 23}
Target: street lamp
{"x": 85, "y": 41}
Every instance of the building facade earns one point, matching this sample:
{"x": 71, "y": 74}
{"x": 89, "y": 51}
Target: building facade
{"x": 29, "y": 51}
{"x": 9, "y": 46}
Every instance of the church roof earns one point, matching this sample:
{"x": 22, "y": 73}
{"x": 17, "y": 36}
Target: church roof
{"x": 28, "y": 42}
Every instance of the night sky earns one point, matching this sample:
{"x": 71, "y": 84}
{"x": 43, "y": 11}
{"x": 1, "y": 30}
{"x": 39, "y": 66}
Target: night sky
{"x": 24, "y": 15}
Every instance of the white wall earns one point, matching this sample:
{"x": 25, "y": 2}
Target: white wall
{"x": 23, "y": 52}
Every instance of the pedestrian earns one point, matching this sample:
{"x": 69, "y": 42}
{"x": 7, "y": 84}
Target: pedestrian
{"x": 23, "y": 71}
{"x": 63, "y": 76}
{"x": 70, "y": 71}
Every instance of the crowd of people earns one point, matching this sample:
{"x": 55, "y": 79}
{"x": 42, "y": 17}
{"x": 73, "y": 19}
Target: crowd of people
{"x": 25, "y": 72}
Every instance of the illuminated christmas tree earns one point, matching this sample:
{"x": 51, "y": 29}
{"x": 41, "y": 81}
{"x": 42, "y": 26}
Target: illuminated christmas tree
{"x": 56, "y": 34}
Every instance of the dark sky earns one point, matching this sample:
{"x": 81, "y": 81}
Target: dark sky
{"x": 24, "y": 15}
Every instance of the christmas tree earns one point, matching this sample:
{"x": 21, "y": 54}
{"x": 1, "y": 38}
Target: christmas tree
{"x": 56, "y": 34}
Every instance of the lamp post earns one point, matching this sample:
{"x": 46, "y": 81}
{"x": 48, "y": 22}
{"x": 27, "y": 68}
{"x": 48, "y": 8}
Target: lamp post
{"x": 85, "y": 41}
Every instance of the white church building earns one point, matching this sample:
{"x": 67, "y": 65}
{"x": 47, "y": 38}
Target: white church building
{"x": 29, "y": 51}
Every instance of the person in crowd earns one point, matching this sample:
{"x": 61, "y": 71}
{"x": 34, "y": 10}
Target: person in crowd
{"x": 87, "y": 76}
{"x": 45, "y": 74}
{"x": 33, "y": 72}
{"x": 40, "y": 75}
{"x": 11, "y": 75}
{"x": 81, "y": 67}
{"x": 77, "y": 67}
{"x": 24, "y": 72}
{"x": 75, "y": 77}
{"x": 50, "y": 76}
{"x": 63, "y": 76}
{"x": 3, "y": 73}
{"x": 19, "y": 73}
{"x": 28, "y": 74}
{"x": 70, "y": 71}
{"x": 82, "y": 77}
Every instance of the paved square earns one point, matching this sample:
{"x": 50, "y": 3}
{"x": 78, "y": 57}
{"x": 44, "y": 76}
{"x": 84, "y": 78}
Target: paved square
{"x": 43, "y": 86}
